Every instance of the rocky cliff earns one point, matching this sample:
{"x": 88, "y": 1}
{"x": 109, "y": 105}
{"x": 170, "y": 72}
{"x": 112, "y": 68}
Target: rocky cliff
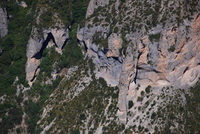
{"x": 37, "y": 44}
{"x": 125, "y": 66}
{"x": 56, "y": 34}
{"x": 159, "y": 55}
{"x": 3, "y": 22}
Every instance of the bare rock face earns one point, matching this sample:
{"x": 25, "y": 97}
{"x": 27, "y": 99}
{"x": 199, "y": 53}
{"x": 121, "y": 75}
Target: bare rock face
{"x": 32, "y": 68}
{"x": 34, "y": 47}
{"x": 23, "y": 4}
{"x": 37, "y": 43}
{"x": 161, "y": 56}
{"x": 114, "y": 44}
{"x": 107, "y": 67}
{"x": 178, "y": 57}
{"x": 176, "y": 64}
{"x": 127, "y": 76}
{"x": 3, "y": 22}
{"x": 60, "y": 36}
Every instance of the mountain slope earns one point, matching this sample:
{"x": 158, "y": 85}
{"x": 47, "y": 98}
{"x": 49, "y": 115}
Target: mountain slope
{"x": 99, "y": 66}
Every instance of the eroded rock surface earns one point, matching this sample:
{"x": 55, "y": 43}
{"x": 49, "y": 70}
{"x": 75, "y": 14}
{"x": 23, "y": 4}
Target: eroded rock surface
{"x": 38, "y": 42}
{"x": 138, "y": 46}
{"x": 3, "y": 22}
{"x": 162, "y": 56}
{"x": 106, "y": 66}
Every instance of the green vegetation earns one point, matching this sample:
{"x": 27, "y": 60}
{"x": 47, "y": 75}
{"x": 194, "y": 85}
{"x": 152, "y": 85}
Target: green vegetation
{"x": 116, "y": 30}
{"x": 150, "y": 62}
{"x": 68, "y": 59}
{"x": 13, "y": 56}
{"x": 124, "y": 40}
{"x": 12, "y": 117}
{"x": 171, "y": 48}
{"x": 95, "y": 98}
{"x": 148, "y": 89}
{"x": 99, "y": 40}
{"x": 142, "y": 93}
{"x": 140, "y": 98}
{"x": 12, "y": 63}
{"x": 69, "y": 11}
{"x": 130, "y": 104}
{"x": 74, "y": 110}
{"x": 185, "y": 116}
{"x": 193, "y": 105}
{"x": 154, "y": 37}
{"x": 42, "y": 92}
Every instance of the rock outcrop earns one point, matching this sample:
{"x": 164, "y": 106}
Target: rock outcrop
{"x": 147, "y": 49}
{"x": 161, "y": 56}
{"x": 38, "y": 42}
{"x": 114, "y": 45}
{"x": 3, "y": 22}
{"x": 177, "y": 67}
{"x": 127, "y": 76}
{"x": 60, "y": 36}
{"x": 107, "y": 67}
{"x": 23, "y": 4}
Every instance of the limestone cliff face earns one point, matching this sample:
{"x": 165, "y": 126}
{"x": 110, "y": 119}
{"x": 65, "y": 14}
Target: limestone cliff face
{"x": 107, "y": 66}
{"x": 40, "y": 38}
{"x": 3, "y": 22}
{"x": 165, "y": 55}
{"x": 148, "y": 49}
{"x": 37, "y": 44}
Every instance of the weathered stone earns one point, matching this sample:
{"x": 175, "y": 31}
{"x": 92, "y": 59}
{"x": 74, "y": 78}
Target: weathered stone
{"x": 3, "y": 22}
{"x": 37, "y": 42}
{"x": 114, "y": 44}
{"x": 127, "y": 76}
{"x": 146, "y": 62}
{"x": 60, "y": 36}
{"x": 31, "y": 68}
{"x": 22, "y": 4}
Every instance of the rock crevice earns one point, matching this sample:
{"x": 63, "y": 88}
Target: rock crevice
{"x": 36, "y": 45}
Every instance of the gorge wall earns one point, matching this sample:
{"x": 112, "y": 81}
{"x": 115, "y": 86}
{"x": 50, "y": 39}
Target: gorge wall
{"x": 100, "y": 66}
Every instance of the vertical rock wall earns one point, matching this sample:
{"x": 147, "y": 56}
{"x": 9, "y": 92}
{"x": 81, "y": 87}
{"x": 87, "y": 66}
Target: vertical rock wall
{"x": 3, "y": 22}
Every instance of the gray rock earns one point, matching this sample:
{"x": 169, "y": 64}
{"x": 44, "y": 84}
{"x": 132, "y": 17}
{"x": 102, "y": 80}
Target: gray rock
{"x": 128, "y": 74}
{"x": 114, "y": 44}
{"x": 60, "y": 35}
{"x": 35, "y": 43}
{"x": 145, "y": 62}
{"x": 3, "y": 22}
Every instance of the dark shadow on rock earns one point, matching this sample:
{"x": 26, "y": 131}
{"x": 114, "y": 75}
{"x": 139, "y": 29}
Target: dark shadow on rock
{"x": 38, "y": 55}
